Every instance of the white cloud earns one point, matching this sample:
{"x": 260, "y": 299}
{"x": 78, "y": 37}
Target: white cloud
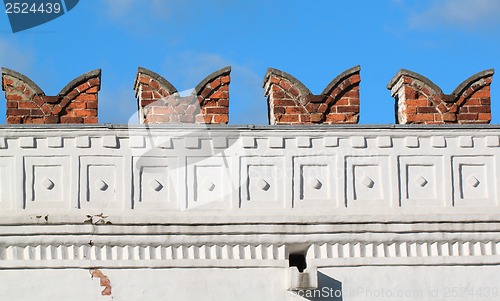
{"x": 118, "y": 8}
{"x": 468, "y": 14}
{"x": 17, "y": 58}
{"x": 139, "y": 11}
{"x": 14, "y": 56}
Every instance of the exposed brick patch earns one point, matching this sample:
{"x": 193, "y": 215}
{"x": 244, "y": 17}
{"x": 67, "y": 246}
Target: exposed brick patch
{"x": 103, "y": 281}
{"x": 420, "y": 101}
{"x": 291, "y": 102}
{"x": 159, "y": 101}
{"x": 27, "y": 103}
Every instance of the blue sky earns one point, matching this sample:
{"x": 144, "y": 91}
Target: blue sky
{"x": 184, "y": 41}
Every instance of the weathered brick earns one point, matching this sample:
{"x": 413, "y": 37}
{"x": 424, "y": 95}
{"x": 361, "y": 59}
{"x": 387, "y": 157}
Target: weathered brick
{"x": 297, "y": 100}
{"x": 468, "y": 116}
{"x": 289, "y": 118}
{"x": 83, "y": 87}
{"x": 18, "y": 112}
{"x": 14, "y": 119}
{"x": 12, "y": 104}
{"x": 284, "y": 103}
{"x": 143, "y": 79}
{"x": 449, "y": 117}
{"x": 423, "y": 110}
{"x": 50, "y": 119}
{"x": 417, "y": 102}
{"x": 36, "y": 112}
{"x": 186, "y": 118}
{"x": 316, "y": 118}
{"x": 33, "y": 120}
{"x": 87, "y": 97}
{"x": 484, "y": 117}
{"x": 215, "y": 110}
{"x": 91, "y": 105}
{"x": 305, "y": 118}
{"x": 279, "y": 110}
{"x": 77, "y": 105}
{"x": 347, "y": 109}
{"x": 154, "y": 84}
{"x": 90, "y": 120}
{"x": 92, "y": 90}
{"x": 225, "y": 79}
{"x": 335, "y": 118}
{"x": 223, "y": 102}
{"x": 84, "y": 112}
{"x": 294, "y": 110}
{"x": 163, "y": 110}
{"x": 221, "y": 119}
{"x": 206, "y": 118}
{"x": 479, "y": 109}
{"x": 147, "y": 95}
{"x": 345, "y": 101}
{"x": 67, "y": 119}
{"x": 422, "y": 117}
{"x": 94, "y": 82}
{"x": 473, "y": 102}
{"x": 416, "y": 92}
{"x": 294, "y": 91}
{"x": 14, "y": 97}
{"x": 215, "y": 84}
{"x": 280, "y": 94}
{"x": 205, "y": 92}
{"x": 7, "y": 80}
{"x": 220, "y": 94}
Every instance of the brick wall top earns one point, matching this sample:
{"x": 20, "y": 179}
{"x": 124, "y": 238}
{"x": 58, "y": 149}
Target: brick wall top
{"x": 160, "y": 102}
{"x": 82, "y": 79}
{"x": 419, "y": 100}
{"x": 27, "y": 103}
{"x": 165, "y": 84}
{"x": 474, "y": 79}
{"x": 303, "y": 90}
{"x": 23, "y": 78}
{"x": 226, "y": 71}
{"x": 291, "y": 102}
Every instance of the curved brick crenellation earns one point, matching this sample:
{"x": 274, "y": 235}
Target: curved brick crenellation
{"x": 27, "y": 103}
{"x": 420, "y": 101}
{"x": 291, "y": 102}
{"x": 159, "y": 101}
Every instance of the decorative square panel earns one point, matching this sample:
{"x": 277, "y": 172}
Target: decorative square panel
{"x": 47, "y": 182}
{"x": 155, "y": 183}
{"x": 262, "y": 182}
{"x": 209, "y": 183}
{"x": 368, "y": 182}
{"x": 6, "y": 183}
{"x": 314, "y": 181}
{"x": 474, "y": 181}
{"x": 422, "y": 181}
{"x": 101, "y": 182}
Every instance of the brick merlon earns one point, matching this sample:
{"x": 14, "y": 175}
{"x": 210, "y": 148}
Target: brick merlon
{"x": 23, "y": 78}
{"x": 160, "y": 79}
{"x": 414, "y": 75}
{"x": 296, "y": 83}
{"x": 340, "y": 78}
{"x": 471, "y": 80}
{"x": 80, "y": 80}
{"x": 210, "y": 78}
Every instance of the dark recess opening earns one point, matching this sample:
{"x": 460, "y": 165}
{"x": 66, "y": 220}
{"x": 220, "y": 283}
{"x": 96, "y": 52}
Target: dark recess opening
{"x": 297, "y": 260}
